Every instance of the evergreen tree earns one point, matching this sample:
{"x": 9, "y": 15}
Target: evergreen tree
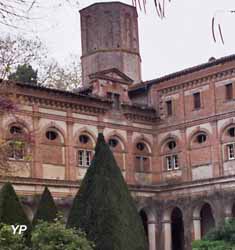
{"x": 24, "y": 73}
{"x": 46, "y": 210}
{"x": 11, "y": 211}
{"x": 103, "y": 207}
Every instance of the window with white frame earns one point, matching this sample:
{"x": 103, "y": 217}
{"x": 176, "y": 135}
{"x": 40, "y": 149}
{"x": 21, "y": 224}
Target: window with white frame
{"x": 231, "y": 151}
{"x": 84, "y": 158}
{"x": 16, "y": 150}
{"x": 172, "y": 162}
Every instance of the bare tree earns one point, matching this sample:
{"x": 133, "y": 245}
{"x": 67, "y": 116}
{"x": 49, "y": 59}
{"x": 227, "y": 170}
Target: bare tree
{"x": 16, "y": 51}
{"x": 14, "y": 13}
{"x": 66, "y": 77}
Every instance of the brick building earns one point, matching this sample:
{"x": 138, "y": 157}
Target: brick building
{"x": 173, "y": 137}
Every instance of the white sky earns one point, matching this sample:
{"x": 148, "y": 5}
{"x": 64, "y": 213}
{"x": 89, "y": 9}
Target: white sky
{"x": 181, "y": 40}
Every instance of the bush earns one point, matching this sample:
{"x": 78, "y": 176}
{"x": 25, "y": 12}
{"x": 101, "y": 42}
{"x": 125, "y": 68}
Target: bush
{"x": 222, "y": 238}
{"x": 10, "y": 241}
{"x": 211, "y": 245}
{"x": 46, "y": 210}
{"x": 55, "y": 236}
{"x": 225, "y": 232}
{"x": 104, "y": 208}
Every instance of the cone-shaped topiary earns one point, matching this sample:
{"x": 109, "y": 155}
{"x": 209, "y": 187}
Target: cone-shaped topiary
{"x": 11, "y": 211}
{"x": 46, "y": 209}
{"x": 103, "y": 207}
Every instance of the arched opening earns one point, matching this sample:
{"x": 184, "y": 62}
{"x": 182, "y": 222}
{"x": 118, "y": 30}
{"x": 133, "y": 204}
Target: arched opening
{"x": 207, "y": 219}
{"x": 144, "y": 219}
{"x": 177, "y": 229}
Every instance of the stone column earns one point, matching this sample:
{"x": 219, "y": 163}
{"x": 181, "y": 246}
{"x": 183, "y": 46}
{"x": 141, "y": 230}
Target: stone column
{"x": 37, "y": 169}
{"x": 197, "y": 228}
{"x": 166, "y": 225}
{"x": 70, "y": 171}
{"x": 152, "y": 235}
{"x": 130, "y": 168}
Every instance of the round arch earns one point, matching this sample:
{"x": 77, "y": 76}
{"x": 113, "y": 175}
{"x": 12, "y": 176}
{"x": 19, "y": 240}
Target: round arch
{"x": 119, "y": 137}
{"x": 226, "y": 125}
{"x": 196, "y": 132}
{"x": 87, "y": 132}
{"x": 53, "y": 125}
{"x": 144, "y": 140}
{"x": 167, "y": 139}
{"x": 17, "y": 121}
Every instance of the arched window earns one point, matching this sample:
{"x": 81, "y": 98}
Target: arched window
{"x": 85, "y": 150}
{"x": 53, "y": 148}
{"x": 171, "y": 155}
{"x": 118, "y": 149}
{"x": 17, "y": 142}
{"x": 229, "y": 143}
{"x": 142, "y": 157}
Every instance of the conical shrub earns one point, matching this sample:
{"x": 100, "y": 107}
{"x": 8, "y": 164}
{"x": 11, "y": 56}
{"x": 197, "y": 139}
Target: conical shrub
{"x": 46, "y": 209}
{"x": 104, "y": 208}
{"x": 11, "y": 211}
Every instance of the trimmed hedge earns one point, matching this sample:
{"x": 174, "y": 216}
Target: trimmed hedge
{"x": 11, "y": 211}
{"x": 104, "y": 208}
{"x": 46, "y": 210}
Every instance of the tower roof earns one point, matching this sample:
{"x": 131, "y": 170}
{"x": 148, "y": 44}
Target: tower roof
{"x": 106, "y": 3}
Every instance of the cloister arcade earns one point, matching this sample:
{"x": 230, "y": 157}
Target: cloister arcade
{"x": 174, "y": 227}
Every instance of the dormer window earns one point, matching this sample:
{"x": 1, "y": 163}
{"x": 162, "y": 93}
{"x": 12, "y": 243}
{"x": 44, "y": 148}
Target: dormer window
{"x": 115, "y": 98}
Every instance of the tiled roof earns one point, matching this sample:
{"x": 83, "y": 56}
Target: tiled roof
{"x": 145, "y": 85}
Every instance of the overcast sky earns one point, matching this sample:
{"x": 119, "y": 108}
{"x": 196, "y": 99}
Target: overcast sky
{"x": 181, "y": 40}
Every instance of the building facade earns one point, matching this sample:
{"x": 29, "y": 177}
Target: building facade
{"x": 173, "y": 137}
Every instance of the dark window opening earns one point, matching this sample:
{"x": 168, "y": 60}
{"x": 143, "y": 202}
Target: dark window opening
{"x": 113, "y": 143}
{"x": 140, "y": 146}
{"x": 83, "y": 139}
{"x": 15, "y": 130}
{"x": 51, "y": 135}
{"x": 169, "y": 108}
{"x": 171, "y": 145}
{"x": 231, "y": 132}
{"x": 229, "y": 91}
{"x": 201, "y": 138}
{"x": 197, "y": 100}
{"x": 115, "y": 98}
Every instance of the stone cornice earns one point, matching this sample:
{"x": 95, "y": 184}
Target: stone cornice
{"x": 199, "y": 81}
{"x": 198, "y": 121}
{"x": 50, "y": 103}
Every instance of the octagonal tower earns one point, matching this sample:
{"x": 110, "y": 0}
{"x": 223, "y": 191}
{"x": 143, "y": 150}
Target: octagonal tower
{"x": 109, "y": 33}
